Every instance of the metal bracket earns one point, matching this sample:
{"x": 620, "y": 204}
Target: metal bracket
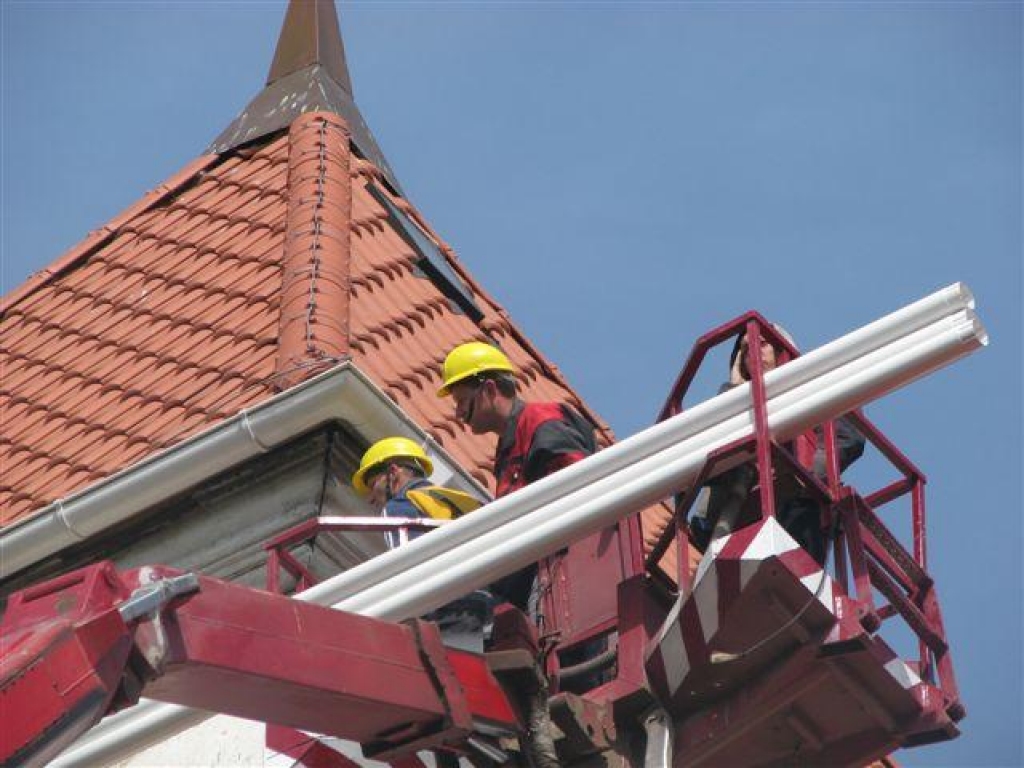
{"x": 150, "y": 598}
{"x": 658, "y": 728}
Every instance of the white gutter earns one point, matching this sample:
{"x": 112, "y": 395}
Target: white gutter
{"x": 621, "y": 480}
{"x": 343, "y": 393}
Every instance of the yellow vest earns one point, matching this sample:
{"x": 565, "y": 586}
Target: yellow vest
{"x": 442, "y": 503}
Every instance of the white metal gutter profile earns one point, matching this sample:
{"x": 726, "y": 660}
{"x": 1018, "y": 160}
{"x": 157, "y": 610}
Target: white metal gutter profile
{"x": 620, "y": 480}
{"x": 343, "y": 393}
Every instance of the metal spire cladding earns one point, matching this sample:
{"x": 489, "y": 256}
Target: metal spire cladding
{"x": 308, "y": 74}
{"x": 310, "y": 35}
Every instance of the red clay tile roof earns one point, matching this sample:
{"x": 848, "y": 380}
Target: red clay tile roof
{"x": 157, "y": 326}
{"x": 240, "y": 276}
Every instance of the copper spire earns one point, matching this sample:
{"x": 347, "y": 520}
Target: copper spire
{"x": 308, "y": 74}
{"x": 310, "y": 35}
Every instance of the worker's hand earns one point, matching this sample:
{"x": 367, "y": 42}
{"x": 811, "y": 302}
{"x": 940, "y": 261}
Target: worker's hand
{"x": 739, "y": 366}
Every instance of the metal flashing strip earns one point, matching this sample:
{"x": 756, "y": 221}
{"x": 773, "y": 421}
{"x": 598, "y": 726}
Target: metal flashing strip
{"x": 309, "y": 90}
{"x": 431, "y": 260}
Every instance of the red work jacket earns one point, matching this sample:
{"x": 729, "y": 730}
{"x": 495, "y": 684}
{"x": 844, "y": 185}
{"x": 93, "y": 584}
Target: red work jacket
{"x": 540, "y": 439}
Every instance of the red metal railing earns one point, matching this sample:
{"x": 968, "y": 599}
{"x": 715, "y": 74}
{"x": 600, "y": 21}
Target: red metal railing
{"x": 279, "y": 556}
{"x": 881, "y": 577}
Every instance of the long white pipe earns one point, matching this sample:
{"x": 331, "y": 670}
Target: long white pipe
{"x": 547, "y": 529}
{"x": 525, "y": 539}
{"x": 900, "y": 325}
{"x": 706, "y": 425}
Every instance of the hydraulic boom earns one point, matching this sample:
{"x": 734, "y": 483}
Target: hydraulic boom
{"x": 91, "y": 642}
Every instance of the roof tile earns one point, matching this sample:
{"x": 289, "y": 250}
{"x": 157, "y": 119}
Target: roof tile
{"x": 168, "y": 321}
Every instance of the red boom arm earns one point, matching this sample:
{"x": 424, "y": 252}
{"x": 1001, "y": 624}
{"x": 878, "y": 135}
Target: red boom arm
{"x": 87, "y": 643}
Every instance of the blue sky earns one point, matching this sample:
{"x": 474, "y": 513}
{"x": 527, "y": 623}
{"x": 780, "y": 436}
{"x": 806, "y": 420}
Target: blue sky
{"x": 624, "y": 177}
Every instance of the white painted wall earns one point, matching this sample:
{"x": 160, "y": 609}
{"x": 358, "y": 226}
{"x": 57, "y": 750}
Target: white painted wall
{"x": 219, "y": 741}
{"x": 223, "y": 742}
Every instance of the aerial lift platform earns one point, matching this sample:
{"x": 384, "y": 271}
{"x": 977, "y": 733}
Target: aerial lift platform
{"x": 762, "y": 657}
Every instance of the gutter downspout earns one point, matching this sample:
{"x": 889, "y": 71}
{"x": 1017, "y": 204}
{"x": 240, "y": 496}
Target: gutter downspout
{"x": 342, "y": 393}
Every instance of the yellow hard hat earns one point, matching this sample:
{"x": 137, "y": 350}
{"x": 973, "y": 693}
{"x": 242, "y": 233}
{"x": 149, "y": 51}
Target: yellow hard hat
{"x": 389, "y": 449}
{"x": 471, "y": 359}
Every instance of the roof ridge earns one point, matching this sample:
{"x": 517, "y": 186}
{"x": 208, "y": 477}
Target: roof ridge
{"x": 100, "y": 237}
{"x": 313, "y": 331}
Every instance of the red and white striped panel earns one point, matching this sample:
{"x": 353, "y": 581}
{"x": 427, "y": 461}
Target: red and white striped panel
{"x": 893, "y": 664}
{"x": 682, "y": 648}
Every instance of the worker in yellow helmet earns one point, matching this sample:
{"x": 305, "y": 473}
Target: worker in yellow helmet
{"x": 534, "y": 439}
{"x": 393, "y": 474}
